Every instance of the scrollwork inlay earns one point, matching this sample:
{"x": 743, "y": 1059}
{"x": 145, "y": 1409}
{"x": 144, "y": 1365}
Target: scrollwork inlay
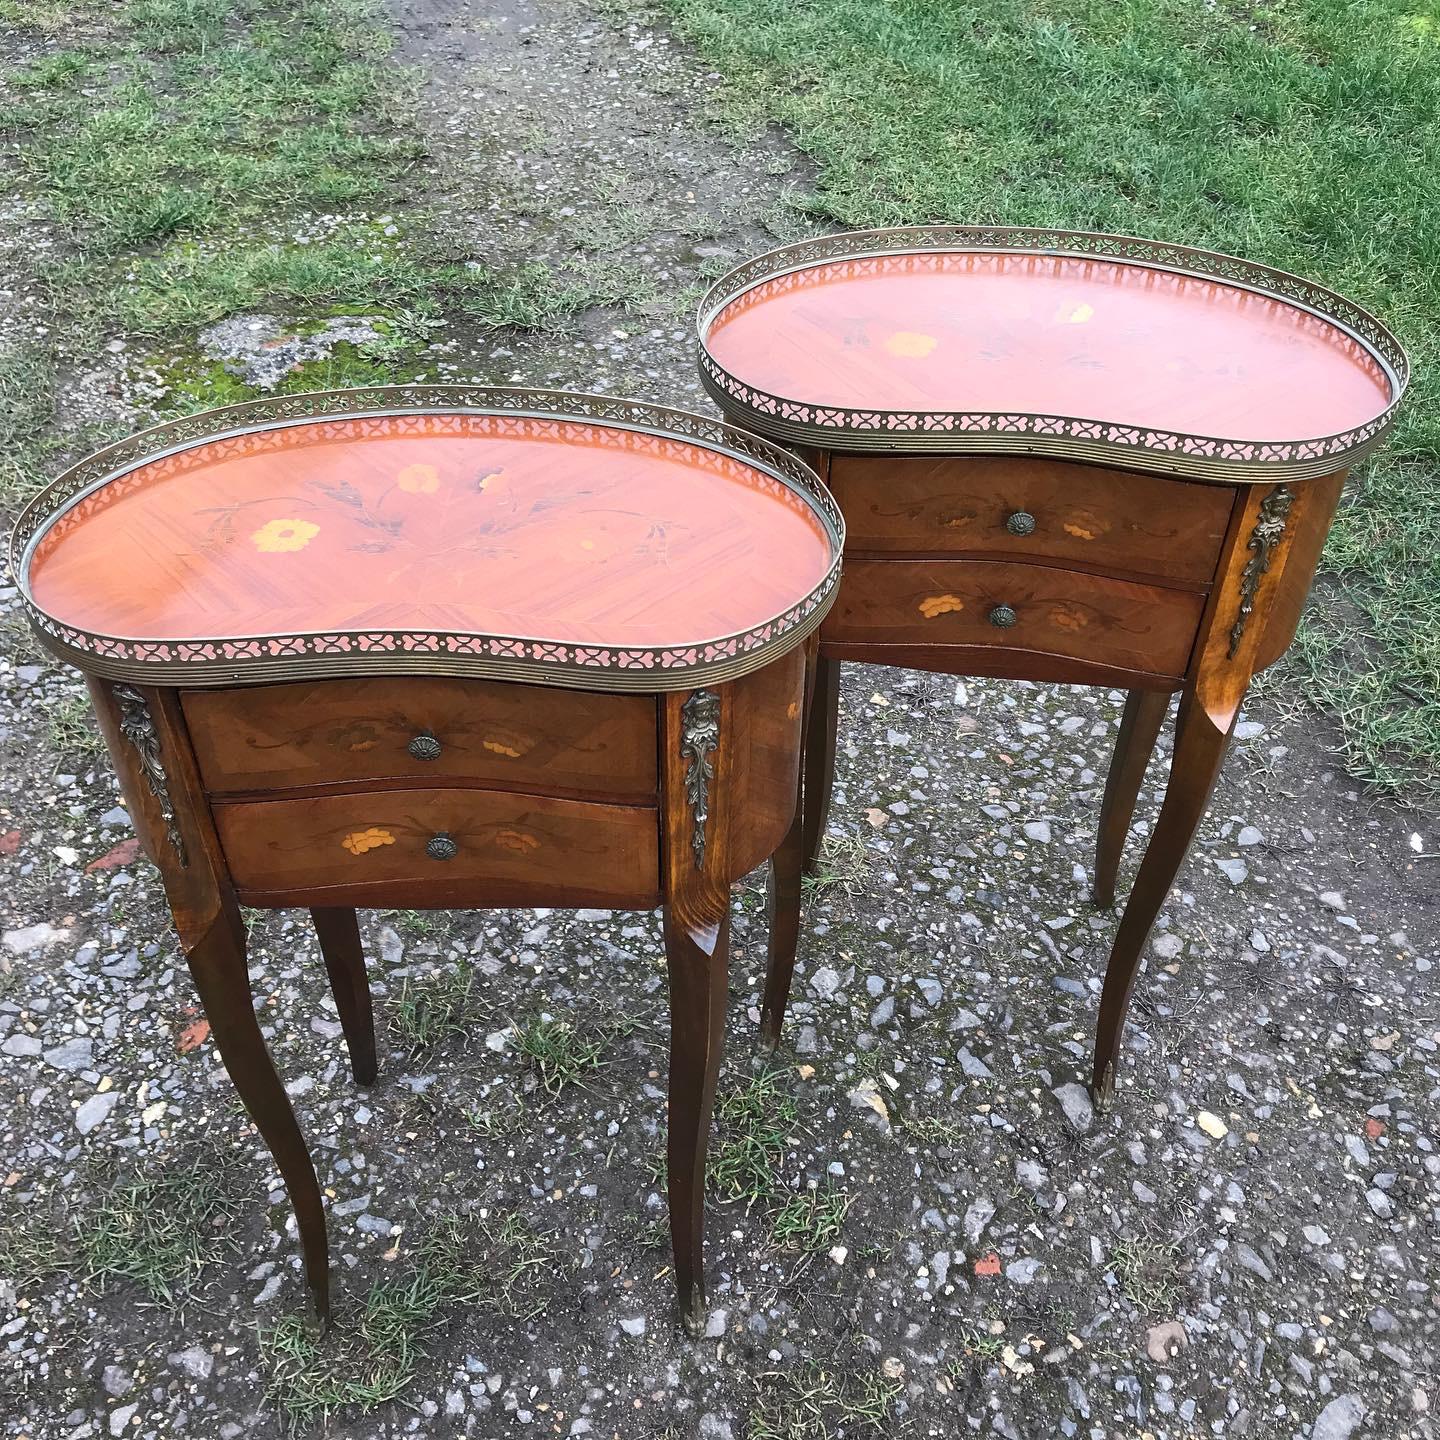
{"x": 699, "y": 736}
{"x": 1269, "y": 529}
{"x": 137, "y": 725}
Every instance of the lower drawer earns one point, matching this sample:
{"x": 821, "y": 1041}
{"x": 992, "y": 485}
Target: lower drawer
{"x": 468, "y": 848}
{"x": 1063, "y": 613}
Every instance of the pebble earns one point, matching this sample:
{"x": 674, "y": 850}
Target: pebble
{"x": 32, "y": 938}
{"x": 825, "y": 982}
{"x": 197, "y": 1362}
{"x": 72, "y": 1055}
{"x": 981, "y": 1211}
{"x": 94, "y": 1110}
{"x": 1212, "y": 1125}
{"x": 633, "y": 1325}
{"x": 120, "y": 1417}
{"x": 1236, "y": 871}
{"x": 1339, "y": 1419}
{"x": 1038, "y": 830}
{"x": 1075, "y": 1101}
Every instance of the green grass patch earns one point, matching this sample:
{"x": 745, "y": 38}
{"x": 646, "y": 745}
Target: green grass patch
{"x": 1291, "y": 133}
{"x": 810, "y": 1402}
{"x": 811, "y": 1220}
{"x": 1148, "y": 1272}
{"x": 160, "y": 1228}
{"x": 70, "y": 729}
{"x": 754, "y": 1124}
{"x": 372, "y": 1358}
{"x": 558, "y": 1052}
{"x": 430, "y": 1009}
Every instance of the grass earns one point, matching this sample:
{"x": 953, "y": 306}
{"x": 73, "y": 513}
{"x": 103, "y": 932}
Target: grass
{"x": 811, "y": 1220}
{"x": 70, "y": 729}
{"x": 558, "y": 1052}
{"x": 1290, "y": 132}
{"x": 159, "y": 1228}
{"x": 811, "y": 1403}
{"x": 1148, "y": 1272}
{"x": 373, "y": 1358}
{"x": 431, "y": 1009}
{"x": 754, "y": 1124}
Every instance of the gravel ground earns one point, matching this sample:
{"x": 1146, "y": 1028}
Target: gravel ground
{"x": 919, "y": 1226}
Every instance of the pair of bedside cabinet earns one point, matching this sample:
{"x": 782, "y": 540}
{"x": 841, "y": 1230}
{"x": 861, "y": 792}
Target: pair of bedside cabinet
{"x": 435, "y": 646}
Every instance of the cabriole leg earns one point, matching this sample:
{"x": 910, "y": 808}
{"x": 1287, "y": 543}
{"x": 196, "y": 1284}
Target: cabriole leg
{"x": 339, "y": 933}
{"x": 1139, "y": 729}
{"x": 820, "y": 758}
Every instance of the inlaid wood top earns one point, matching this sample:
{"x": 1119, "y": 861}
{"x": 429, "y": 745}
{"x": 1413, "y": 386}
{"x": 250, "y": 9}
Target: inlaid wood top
{"x": 432, "y": 535}
{"x": 961, "y": 344}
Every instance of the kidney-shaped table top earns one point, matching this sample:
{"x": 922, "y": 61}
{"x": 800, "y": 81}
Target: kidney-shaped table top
{"x": 1095, "y": 347}
{"x": 570, "y": 539}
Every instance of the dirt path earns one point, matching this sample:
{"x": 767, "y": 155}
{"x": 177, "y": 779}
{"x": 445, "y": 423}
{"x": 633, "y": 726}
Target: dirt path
{"x": 918, "y": 1227}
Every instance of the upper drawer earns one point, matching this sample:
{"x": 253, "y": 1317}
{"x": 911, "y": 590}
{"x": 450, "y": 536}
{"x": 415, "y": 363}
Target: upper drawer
{"x": 276, "y": 737}
{"x": 1032, "y": 509}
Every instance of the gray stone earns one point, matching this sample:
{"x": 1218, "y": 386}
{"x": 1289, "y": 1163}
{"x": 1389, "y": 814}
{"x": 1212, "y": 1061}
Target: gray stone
{"x": 1022, "y": 1272}
{"x": 1315, "y": 1235}
{"x": 120, "y": 1418}
{"x": 1252, "y": 1262}
{"x": 115, "y": 1380}
{"x": 932, "y": 990}
{"x": 1075, "y": 1102}
{"x": 1235, "y": 871}
{"x": 197, "y": 1362}
{"x": 21, "y": 1045}
{"x": 883, "y": 1012}
{"x": 1031, "y": 1174}
{"x": 1380, "y": 1203}
{"x": 94, "y": 1110}
{"x": 1038, "y": 830}
{"x": 73, "y": 1055}
{"x": 978, "y": 1216}
{"x": 1248, "y": 836}
{"x": 32, "y": 938}
{"x": 262, "y": 350}
{"x": 712, "y": 1427}
{"x": 973, "y": 1066}
{"x": 825, "y": 982}
{"x": 633, "y": 1325}
{"x": 715, "y": 1324}
{"x": 1339, "y": 1419}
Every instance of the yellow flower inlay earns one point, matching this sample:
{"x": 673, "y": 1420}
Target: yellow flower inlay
{"x": 418, "y": 480}
{"x": 491, "y": 482}
{"x": 934, "y": 605}
{"x": 359, "y": 841}
{"x": 910, "y": 345}
{"x": 518, "y": 840}
{"x": 275, "y": 537}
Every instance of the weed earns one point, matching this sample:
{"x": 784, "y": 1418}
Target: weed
{"x": 811, "y": 1403}
{"x": 1148, "y": 1273}
{"x": 811, "y": 1219}
{"x": 754, "y": 1125}
{"x": 433, "y": 1008}
{"x": 160, "y": 1228}
{"x": 844, "y": 865}
{"x": 70, "y": 728}
{"x": 558, "y": 1052}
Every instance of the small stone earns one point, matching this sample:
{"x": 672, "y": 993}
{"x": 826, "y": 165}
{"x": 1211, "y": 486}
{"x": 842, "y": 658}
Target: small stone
{"x": 1235, "y": 871}
{"x": 94, "y": 1110}
{"x": 634, "y": 1325}
{"x": 839, "y": 1254}
{"x": 1075, "y": 1102}
{"x": 1165, "y": 1341}
{"x": 72, "y": 1055}
{"x": 1212, "y": 1125}
{"x": 1252, "y": 1262}
{"x": 1021, "y": 1272}
{"x": 197, "y": 1362}
{"x": 974, "y": 1067}
{"x": 1038, "y": 831}
{"x": 932, "y": 990}
{"x": 715, "y": 1324}
{"x": 978, "y": 1216}
{"x": 1167, "y": 946}
{"x": 1380, "y": 1203}
{"x": 21, "y": 1045}
{"x": 1315, "y": 1235}
{"x": 1031, "y": 1174}
{"x": 120, "y": 1418}
{"x": 1339, "y": 1419}
{"x": 115, "y": 1380}
{"x": 32, "y": 938}
{"x": 713, "y": 1427}
{"x": 883, "y": 1012}
{"x": 1332, "y": 900}
{"x": 825, "y": 982}
{"x": 1248, "y": 836}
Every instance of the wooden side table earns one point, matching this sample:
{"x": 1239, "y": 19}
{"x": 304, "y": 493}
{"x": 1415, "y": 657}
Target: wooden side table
{"x": 1067, "y": 457}
{"x": 436, "y": 646}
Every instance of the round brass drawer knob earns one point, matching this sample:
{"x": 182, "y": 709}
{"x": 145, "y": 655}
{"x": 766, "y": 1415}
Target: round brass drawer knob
{"x": 1022, "y": 522}
{"x": 1002, "y": 616}
{"x": 424, "y": 746}
{"x": 441, "y": 847}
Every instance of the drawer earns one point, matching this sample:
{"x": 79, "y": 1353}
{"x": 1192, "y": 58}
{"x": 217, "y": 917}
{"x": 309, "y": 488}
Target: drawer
{"x": 508, "y": 849}
{"x": 1082, "y": 515}
{"x": 1065, "y": 613}
{"x": 330, "y": 732}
